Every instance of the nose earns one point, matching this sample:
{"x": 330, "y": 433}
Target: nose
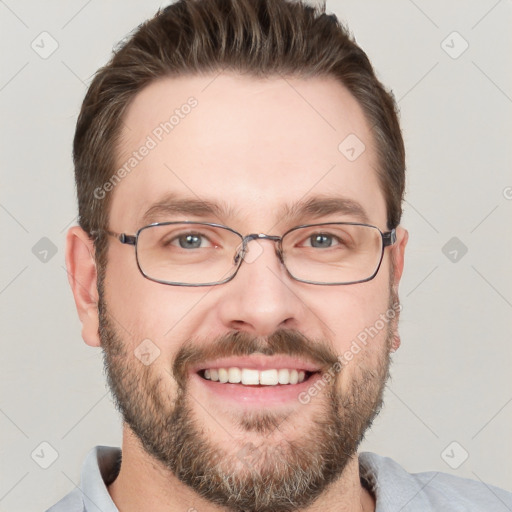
{"x": 260, "y": 298}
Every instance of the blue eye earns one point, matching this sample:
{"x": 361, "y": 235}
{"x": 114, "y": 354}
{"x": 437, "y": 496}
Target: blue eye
{"x": 174, "y": 239}
{"x": 321, "y": 240}
{"x": 190, "y": 241}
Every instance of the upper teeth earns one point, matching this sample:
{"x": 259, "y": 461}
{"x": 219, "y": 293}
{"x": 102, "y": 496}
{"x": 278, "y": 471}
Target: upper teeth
{"x": 254, "y": 377}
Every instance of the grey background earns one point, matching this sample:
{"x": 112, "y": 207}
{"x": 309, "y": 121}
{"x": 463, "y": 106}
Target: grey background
{"x": 451, "y": 377}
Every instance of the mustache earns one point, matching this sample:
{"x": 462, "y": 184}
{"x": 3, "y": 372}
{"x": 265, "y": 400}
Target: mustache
{"x": 240, "y": 343}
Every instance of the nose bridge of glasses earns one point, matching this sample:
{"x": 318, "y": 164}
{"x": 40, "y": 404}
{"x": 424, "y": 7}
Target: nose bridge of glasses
{"x": 242, "y": 248}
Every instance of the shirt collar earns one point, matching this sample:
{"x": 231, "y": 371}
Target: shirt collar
{"x": 100, "y": 468}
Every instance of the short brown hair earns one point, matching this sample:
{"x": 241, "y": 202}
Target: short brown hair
{"x": 260, "y": 38}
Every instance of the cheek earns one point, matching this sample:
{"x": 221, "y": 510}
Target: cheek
{"x": 144, "y": 309}
{"x": 353, "y": 315}
{"x": 354, "y": 320}
{"x": 363, "y": 351}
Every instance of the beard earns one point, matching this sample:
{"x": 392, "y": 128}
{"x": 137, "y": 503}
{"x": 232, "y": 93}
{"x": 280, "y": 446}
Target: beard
{"x": 269, "y": 475}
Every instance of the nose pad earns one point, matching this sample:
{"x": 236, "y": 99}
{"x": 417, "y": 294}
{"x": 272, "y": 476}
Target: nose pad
{"x": 251, "y": 253}
{"x": 245, "y": 253}
{"x": 240, "y": 253}
{"x": 241, "y": 250}
{"x": 279, "y": 254}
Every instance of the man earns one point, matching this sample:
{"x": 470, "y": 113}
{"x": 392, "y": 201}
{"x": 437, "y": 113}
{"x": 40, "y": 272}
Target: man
{"x": 240, "y": 172}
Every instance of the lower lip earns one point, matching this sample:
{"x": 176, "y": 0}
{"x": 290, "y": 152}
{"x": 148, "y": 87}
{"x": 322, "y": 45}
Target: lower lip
{"x": 257, "y": 395}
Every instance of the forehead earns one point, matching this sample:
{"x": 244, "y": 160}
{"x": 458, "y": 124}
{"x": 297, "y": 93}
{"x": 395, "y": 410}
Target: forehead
{"x": 254, "y": 147}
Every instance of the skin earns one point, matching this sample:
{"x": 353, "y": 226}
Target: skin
{"x": 282, "y": 150}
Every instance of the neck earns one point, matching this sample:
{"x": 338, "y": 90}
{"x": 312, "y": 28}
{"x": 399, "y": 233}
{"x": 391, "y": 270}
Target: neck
{"x": 144, "y": 485}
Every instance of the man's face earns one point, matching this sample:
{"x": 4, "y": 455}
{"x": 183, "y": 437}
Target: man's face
{"x": 258, "y": 149}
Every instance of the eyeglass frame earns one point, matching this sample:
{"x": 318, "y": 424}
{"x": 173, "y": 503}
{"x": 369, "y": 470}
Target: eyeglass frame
{"x": 388, "y": 239}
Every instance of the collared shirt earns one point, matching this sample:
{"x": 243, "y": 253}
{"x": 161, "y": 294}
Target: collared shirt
{"x": 394, "y": 488}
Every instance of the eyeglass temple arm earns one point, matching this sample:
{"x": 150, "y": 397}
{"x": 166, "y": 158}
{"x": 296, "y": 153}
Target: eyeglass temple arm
{"x": 389, "y": 238}
{"x": 122, "y": 237}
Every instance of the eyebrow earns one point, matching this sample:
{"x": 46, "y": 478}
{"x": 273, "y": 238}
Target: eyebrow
{"x": 312, "y": 208}
{"x": 322, "y": 206}
{"x": 174, "y": 205}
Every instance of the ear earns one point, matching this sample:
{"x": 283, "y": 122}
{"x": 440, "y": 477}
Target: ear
{"x": 82, "y": 276}
{"x": 398, "y": 253}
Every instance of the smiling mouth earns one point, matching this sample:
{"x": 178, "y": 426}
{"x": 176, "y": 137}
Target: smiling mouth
{"x": 255, "y": 378}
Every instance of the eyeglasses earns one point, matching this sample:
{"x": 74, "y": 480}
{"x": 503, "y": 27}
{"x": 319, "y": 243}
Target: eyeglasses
{"x": 207, "y": 254}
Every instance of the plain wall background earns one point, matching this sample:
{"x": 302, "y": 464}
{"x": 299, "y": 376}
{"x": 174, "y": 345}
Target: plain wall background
{"x": 451, "y": 377}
